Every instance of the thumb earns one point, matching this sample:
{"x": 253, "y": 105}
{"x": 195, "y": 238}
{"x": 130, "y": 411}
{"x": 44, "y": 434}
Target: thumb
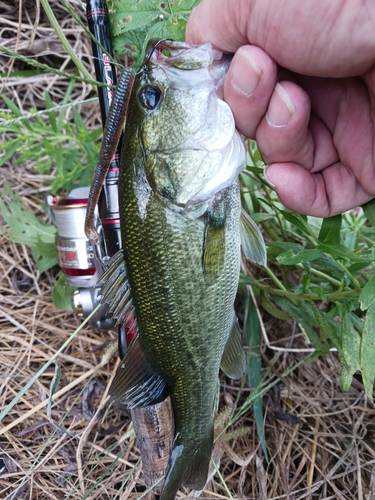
{"x": 220, "y": 22}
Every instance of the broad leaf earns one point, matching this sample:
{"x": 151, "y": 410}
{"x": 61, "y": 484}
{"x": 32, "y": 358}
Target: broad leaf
{"x": 135, "y": 22}
{"x": 369, "y": 210}
{"x": 341, "y": 252}
{"x": 351, "y": 345}
{"x": 330, "y": 230}
{"x": 289, "y": 258}
{"x": 367, "y": 296}
{"x": 24, "y": 227}
{"x": 62, "y": 293}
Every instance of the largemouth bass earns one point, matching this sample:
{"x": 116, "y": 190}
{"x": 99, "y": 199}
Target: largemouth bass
{"x": 175, "y": 280}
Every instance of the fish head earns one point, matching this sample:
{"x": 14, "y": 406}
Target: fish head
{"x": 186, "y": 131}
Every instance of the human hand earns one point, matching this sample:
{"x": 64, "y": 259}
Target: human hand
{"x": 302, "y": 83}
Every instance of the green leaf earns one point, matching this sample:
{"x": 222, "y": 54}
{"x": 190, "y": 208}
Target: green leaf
{"x": 24, "y": 228}
{"x": 367, "y": 296}
{"x": 135, "y": 22}
{"x": 355, "y": 268}
{"x": 346, "y": 378}
{"x": 297, "y": 220}
{"x": 341, "y": 252}
{"x": 305, "y": 315}
{"x": 289, "y": 258}
{"x": 275, "y": 248}
{"x": 368, "y": 351}
{"x": 13, "y": 107}
{"x": 261, "y": 217}
{"x": 12, "y": 148}
{"x": 330, "y": 328}
{"x": 351, "y": 347}
{"x": 44, "y": 255}
{"x": 369, "y": 210}
{"x": 246, "y": 280}
{"x": 129, "y": 15}
{"x": 254, "y": 369}
{"x": 51, "y": 114}
{"x": 330, "y": 230}
{"x": 177, "y": 27}
{"x": 62, "y": 293}
{"x": 273, "y": 310}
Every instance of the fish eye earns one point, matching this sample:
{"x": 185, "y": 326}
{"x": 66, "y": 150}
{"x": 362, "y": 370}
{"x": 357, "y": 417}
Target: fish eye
{"x": 149, "y": 96}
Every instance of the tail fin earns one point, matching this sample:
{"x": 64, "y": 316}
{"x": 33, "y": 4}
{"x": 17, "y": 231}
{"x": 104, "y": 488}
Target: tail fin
{"x": 188, "y": 466}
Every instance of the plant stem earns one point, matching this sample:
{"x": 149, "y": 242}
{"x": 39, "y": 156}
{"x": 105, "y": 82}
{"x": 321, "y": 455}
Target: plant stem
{"x": 275, "y": 279}
{"x": 49, "y": 69}
{"x": 304, "y": 296}
{"x": 59, "y": 32}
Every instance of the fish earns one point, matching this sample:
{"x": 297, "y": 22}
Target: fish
{"x": 174, "y": 282}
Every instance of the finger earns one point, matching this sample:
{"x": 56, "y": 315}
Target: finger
{"x": 344, "y": 108}
{"x": 283, "y": 134}
{"x": 321, "y": 166}
{"x": 248, "y": 87}
{"x": 324, "y": 194}
{"x": 337, "y": 39}
{"x": 216, "y": 21}
{"x": 340, "y": 127}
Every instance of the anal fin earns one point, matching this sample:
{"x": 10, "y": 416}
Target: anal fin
{"x": 136, "y": 384}
{"x": 233, "y": 362}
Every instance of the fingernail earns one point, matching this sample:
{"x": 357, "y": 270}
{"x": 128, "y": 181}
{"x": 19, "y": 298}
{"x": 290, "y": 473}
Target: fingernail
{"x": 245, "y": 74}
{"x": 266, "y": 176}
{"x": 280, "y": 108}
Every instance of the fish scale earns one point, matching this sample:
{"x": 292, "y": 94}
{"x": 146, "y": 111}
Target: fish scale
{"x": 184, "y": 322}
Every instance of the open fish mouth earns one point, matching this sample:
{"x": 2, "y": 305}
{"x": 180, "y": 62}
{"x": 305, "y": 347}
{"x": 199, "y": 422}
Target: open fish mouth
{"x": 174, "y": 56}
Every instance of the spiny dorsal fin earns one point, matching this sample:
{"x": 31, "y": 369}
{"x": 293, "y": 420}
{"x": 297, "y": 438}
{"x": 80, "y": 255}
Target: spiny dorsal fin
{"x": 252, "y": 241}
{"x": 135, "y": 383}
{"x": 214, "y": 243}
{"x": 233, "y": 362}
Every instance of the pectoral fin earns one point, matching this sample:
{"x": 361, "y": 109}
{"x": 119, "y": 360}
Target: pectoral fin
{"x": 135, "y": 383}
{"x": 214, "y": 243}
{"x": 252, "y": 241}
{"x": 233, "y": 362}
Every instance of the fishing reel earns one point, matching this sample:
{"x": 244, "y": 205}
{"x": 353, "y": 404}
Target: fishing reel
{"x": 80, "y": 260}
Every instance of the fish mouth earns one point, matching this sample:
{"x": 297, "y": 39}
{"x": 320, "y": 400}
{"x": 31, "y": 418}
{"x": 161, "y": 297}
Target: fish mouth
{"x": 169, "y": 54}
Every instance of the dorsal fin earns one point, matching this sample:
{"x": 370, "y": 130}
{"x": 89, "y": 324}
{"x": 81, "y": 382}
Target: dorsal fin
{"x": 252, "y": 241}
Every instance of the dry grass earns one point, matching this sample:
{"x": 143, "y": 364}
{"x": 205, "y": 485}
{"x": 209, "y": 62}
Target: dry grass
{"x": 320, "y": 440}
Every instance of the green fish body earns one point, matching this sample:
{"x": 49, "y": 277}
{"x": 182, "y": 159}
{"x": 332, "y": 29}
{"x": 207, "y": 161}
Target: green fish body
{"x": 180, "y": 222}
